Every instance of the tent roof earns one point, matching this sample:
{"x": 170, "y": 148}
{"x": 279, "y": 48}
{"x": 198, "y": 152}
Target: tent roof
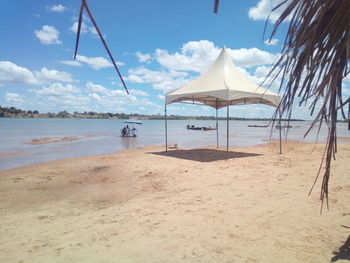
{"x": 223, "y": 84}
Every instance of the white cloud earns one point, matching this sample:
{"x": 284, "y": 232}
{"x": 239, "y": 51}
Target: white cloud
{"x": 83, "y": 28}
{"x": 108, "y": 98}
{"x": 168, "y": 85}
{"x": 56, "y": 95}
{"x": 11, "y": 73}
{"x": 14, "y": 98}
{"x": 48, "y": 76}
{"x": 120, "y": 93}
{"x": 105, "y": 93}
{"x": 161, "y": 80}
{"x": 74, "y": 102}
{"x": 95, "y": 96}
{"x": 271, "y": 42}
{"x": 91, "y": 87}
{"x": 134, "y": 79}
{"x": 58, "y": 8}
{"x": 156, "y": 76}
{"x": 97, "y": 63}
{"x": 72, "y": 63}
{"x": 94, "y": 32}
{"x": 143, "y": 57}
{"x": 48, "y": 35}
{"x": 138, "y": 92}
{"x": 62, "y": 96}
{"x": 161, "y": 97}
{"x": 251, "y": 57}
{"x": 263, "y": 9}
{"x": 197, "y": 56}
{"x": 112, "y": 98}
{"x": 259, "y": 76}
{"x": 56, "y": 89}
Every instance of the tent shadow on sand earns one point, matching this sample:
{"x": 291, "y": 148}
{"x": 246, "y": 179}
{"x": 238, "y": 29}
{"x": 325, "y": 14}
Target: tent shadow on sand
{"x": 344, "y": 251}
{"x": 205, "y": 155}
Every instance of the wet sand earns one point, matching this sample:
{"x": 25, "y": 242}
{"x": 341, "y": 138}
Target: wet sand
{"x": 58, "y": 139}
{"x": 12, "y": 154}
{"x": 186, "y": 205}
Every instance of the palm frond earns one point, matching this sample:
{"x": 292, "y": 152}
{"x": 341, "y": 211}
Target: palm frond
{"x": 84, "y": 5}
{"x": 314, "y": 60}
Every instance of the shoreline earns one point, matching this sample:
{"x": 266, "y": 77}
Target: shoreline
{"x": 18, "y": 133}
{"x": 65, "y": 139}
{"x": 187, "y": 205}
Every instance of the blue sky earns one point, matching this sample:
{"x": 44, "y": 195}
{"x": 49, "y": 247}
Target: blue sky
{"x": 159, "y": 45}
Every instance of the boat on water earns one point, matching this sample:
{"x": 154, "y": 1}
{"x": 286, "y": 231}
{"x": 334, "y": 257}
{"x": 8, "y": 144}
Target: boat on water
{"x": 133, "y": 121}
{"x": 209, "y": 128}
{"x": 130, "y": 131}
{"x": 203, "y": 128}
{"x": 192, "y": 127}
{"x": 258, "y": 126}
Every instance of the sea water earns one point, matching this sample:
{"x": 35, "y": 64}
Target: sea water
{"x": 101, "y": 136}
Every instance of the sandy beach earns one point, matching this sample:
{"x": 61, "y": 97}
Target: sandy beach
{"x": 187, "y": 205}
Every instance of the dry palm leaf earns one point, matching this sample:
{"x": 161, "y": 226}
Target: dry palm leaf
{"x": 313, "y": 63}
{"x": 85, "y": 6}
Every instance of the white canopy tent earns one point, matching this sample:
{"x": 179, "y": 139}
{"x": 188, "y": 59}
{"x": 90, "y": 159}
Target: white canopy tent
{"x": 222, "y": 85}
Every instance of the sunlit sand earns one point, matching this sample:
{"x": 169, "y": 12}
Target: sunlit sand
{"x": 185, "y": 205}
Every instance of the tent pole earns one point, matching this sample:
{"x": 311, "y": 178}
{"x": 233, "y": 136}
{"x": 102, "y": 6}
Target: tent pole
{"x": 217, "y": 125}
{"x": 349, "y": 115}
{"x": 166, "y": 131}
{"x": 280, "y": 131}
{"x": 227, "y": 120}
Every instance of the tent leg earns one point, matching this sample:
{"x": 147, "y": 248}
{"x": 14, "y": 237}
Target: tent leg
{"x": 280, "y": 132}
{"x": 166, "y": 130}
{"x": 227, "y": 120}
{"x": 349, "y": 115}
{"x": 217, "y": 129}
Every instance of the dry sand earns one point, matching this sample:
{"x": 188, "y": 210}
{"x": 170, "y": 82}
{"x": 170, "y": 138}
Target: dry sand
{"x": 144, "y": 205}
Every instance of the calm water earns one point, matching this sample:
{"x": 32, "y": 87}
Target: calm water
{"x": 16, "y": 133}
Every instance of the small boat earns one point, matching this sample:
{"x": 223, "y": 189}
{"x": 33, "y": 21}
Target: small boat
{"x": 258, "y": 126}
{"x": 134, "y": 121}
{"x": 208, "y": 128}
{"x": 192, "y": 127}
{"x": 130, "y": 131}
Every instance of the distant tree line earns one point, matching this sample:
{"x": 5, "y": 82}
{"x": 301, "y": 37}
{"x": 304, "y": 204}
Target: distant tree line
{"x": 12, "y": 112}
{"x": 15, "y": 111}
